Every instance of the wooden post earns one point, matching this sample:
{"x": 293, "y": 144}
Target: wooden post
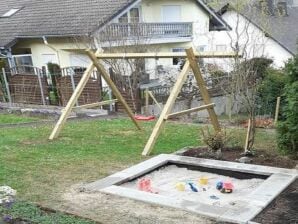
{"x": 147, "y": 102}
{"x": 73, "y": 85}
{"x": 76, "y": 94}
{"x": 105, "y": 75}
{"x": 7, "y": 86}
{"x": 201, "y": 84}
{"x": 277, "y": 110}
{"x": 41, "y": 89}
{"x": 167, "y": 109}
{"x": 247, "y": 135}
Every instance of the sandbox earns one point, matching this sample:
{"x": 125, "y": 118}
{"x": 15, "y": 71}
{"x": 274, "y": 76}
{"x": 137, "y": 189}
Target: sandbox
{"x": 254, "y": 186}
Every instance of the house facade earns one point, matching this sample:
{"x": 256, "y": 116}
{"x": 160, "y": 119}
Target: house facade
{"x": 259, "y": 29}
{"x": 167, "y": 25}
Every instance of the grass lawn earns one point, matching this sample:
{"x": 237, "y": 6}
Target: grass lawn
{"x": 41, "y": 170}
{"x": 12, "y": 119}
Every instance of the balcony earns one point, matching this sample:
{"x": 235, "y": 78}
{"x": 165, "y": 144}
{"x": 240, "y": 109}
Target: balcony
{"x": 131, "y": 31}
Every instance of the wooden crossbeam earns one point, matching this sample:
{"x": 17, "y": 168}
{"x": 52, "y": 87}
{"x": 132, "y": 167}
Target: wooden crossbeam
{"x": 101, "y": 69}
{"x": 92, "y": 105}
{"x": 189, "y": 111}
{"x": 164, "y": 55}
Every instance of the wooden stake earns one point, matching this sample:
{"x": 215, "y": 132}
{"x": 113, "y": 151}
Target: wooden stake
{"x": 76, "y": 94}
{"x": 167, "y": 109}
{"x": 277, "y": 110}
{"x": 247, "y": 135}
{"x": 201, "y": 84}
{"x": 147, "y": 102}
{"x": 105, "y": 75}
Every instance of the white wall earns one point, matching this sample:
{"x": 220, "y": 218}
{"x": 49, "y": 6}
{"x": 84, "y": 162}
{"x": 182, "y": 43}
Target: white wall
{"x": 61, "y": 51}
{"x": 250, "y": 37}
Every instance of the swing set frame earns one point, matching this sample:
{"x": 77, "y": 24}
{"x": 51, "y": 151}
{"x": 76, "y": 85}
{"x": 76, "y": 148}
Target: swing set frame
{"x": 190, "y": 64}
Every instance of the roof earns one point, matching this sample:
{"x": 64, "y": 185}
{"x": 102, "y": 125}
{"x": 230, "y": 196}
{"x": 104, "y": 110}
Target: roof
{"x": 282, "y": 29}
{"x": 55, "y": 17}
{"x": 66, "y": 18}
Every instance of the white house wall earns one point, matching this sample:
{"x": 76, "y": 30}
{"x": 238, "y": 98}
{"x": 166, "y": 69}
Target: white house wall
{"x": 251, "y": 38}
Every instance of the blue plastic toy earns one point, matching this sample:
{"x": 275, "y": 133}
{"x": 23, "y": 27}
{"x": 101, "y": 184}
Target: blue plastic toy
{"x": 192, "y": 187}
{"x": 219, "y": 185}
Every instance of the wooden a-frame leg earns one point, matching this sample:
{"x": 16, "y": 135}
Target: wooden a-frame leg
{"x": 75, "y": 96}
{"x": 105, "y": 75}
{"x": 167, "y": 109}
{"x": 202, "y": 87}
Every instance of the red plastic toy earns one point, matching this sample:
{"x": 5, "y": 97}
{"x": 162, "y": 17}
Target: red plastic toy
{"x": 145, "y": 185}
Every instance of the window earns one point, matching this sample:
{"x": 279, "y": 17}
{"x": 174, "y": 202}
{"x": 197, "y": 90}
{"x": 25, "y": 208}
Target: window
{"x": 10, "y": 13}
{"x": 221, "y": 48}
{"x": 133, "y": 16}
{"x": 178, "y": 61}
{"x": 171, "y": 13}
{"x": 20, "y": 60}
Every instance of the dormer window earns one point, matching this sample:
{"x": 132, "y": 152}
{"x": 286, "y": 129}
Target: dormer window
{"x": 10, "y": 13}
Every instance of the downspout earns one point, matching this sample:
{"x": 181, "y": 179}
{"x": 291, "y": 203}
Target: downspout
{"x": 11, "y": 62}
{"x": 45, "y": 41}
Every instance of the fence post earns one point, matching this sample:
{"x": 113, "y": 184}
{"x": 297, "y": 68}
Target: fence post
{"x": 277, "y": 110}
{"x": 147, "y": 102}
{"x": 73, "y": 86}
{"x": 41, "y": 89}
{"x": 7, "y": 87}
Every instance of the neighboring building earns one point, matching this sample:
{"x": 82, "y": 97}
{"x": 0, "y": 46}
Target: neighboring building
{"x": 264, "y": 28}
{"x": 37, "y": 32}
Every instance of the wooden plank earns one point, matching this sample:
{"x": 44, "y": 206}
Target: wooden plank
{"x": 202, "y": 87}
{"x": 164, "y": 55}
{"x": 167, "y": 109}
{"x": 154, "y": 99}
{"x": 190, "y": 110}
{"x": 105, "y": 75}
{"x": 92, "y": 105}
{"x": 76, "y": 94}
{"x": 277, "y": 110}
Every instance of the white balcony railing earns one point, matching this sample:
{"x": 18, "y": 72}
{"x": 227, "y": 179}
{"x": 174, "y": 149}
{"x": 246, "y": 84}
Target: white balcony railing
{"x": 119, "y": 31}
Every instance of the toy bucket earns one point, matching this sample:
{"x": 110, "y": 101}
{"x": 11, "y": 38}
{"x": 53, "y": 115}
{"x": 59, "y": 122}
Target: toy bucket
{"x": 203, "y": 181}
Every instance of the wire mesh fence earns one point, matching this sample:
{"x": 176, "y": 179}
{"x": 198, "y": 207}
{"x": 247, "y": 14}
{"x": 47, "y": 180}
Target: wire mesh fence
{"x": 31, "y": 85}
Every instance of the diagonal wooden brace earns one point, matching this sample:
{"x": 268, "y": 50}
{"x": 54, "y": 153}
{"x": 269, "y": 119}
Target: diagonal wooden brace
{"x": 101, "y": 69}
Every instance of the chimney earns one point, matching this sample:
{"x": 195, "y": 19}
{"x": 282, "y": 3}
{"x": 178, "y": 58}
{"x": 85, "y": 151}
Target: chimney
{"x": 282, "y": 8}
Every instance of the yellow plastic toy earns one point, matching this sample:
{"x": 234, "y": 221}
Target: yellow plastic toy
{"x": 180, "y": 186}
{"x": 203, "y": 181}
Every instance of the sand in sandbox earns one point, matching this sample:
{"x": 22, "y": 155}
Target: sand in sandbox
{"x": 164, "y": 182}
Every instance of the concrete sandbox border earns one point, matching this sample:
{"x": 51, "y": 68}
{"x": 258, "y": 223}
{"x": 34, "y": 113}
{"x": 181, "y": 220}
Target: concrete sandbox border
{"x": 244, "y": 209}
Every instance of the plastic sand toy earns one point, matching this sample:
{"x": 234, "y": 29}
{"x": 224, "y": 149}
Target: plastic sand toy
{"x": 145, "y": 185}
{"x": 192, "y": 187}
{"x": 225, "y": 187}
{"x": 203, "y": 181}
{"x": 180, "y": 186}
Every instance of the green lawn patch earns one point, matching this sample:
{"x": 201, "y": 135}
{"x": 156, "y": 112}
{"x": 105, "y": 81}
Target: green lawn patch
{"x": 30, "y": 213}
{"x": 13, "y": 119}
